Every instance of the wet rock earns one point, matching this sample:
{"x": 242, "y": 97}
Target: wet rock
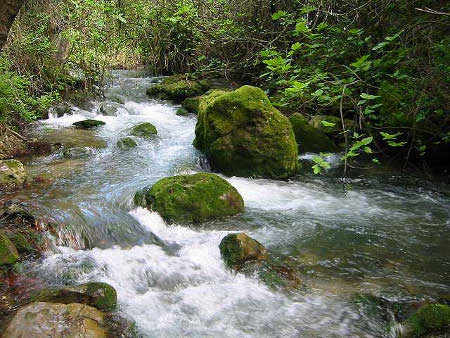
{"x": 21, "y": 242}
{"x": 102, "y": 296}
{"x": 178, "y": 88}
{"x": 191, "y": 104}
{"x": 243, "y": 134}
{"x": 310, "y": 138}
{"x": 12, "y": 173}
{"x": 57, "y": 320}
{"x": 236, "y": 249}
{"x": 15, "y": 215}
{"x": 191, "y": 198}
{"x": 182, "y": 112}
{"x": 430, "y": 320}
{"x": 109, "y": 108}
{"x": 117, "y": 99}
{"x": 88, "y": 124}
{"x": 145, "y": 130}
{"x": 77, "y": 152}
{"x": 8, "y": 252}
{"x": 61, "y": 109}
{"x": 126, "y": 143}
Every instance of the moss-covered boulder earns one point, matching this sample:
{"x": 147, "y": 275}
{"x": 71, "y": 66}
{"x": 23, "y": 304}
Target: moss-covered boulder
{"x": 237, "y": 249}
{"x": 145, "y": 130}
{"x": 192, "y": 104}
{"x": 109, "y": 108}
{"x": 430, "y": 319}
{"x": 88, "y": 124}
{"x": 309, "y": 138}
{"x": 331, "y": 125}
{"x": 126, "y": 143}
{"x": 77, "y": 152}
{"x": 16, "y": 216}
{"x": 58, "y": 320}
{"x": 102, "y": 296}
{"x": 191, "y": 198}
{"x": 12, "y": 173}
{"x": 178, "y": 88}
{"x": 243, "y": 134}
{"x": 8, "y": 252}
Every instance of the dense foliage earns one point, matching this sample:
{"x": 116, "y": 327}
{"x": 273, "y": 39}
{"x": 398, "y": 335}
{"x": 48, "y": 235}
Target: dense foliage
{"x": 383, "y": 64}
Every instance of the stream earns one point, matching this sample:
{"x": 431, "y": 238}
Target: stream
{"x": 383, "y": 235}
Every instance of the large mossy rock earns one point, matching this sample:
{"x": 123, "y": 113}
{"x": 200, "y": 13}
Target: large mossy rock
{"x": 102, "y": 296}
{"x": 88, "y": 124}
{"x": 309, "y": 138}
{"x": 178, "y": 88}
{"x": 191, "y": 198}
{"x": 242, "y": 134}
{"x": 12, "y": 173}
{"x": 8, "y": 252}
{"x": 145, "y": 130}
{"x": 57, "y": 320}
{"x": 237, "y": 249}
{"x": 429, "y": 320}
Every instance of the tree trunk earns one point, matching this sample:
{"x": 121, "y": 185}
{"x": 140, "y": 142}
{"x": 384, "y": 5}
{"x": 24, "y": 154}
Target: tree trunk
{"x": 8, "y": 12}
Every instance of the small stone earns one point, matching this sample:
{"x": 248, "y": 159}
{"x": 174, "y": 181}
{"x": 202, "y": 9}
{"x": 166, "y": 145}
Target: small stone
{"x": 237, "y": 249}
{"x": 145, "y": 130}
{"x": 182, "y": 112}
{"x": 12, "y": 173}
{"x": 126, "y": 143}
{"x": 109, "y": 108}
{"x": 77, "y": 152}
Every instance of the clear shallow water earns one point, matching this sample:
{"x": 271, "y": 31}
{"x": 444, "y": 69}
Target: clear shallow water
{"x": 384, "y": 236}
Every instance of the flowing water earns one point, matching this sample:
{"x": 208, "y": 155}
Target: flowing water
{"x": 383, "y": 235}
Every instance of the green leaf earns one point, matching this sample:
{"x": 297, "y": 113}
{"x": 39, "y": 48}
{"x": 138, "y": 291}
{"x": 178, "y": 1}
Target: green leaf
{"x": 368, "y": 150}
{"x": 296, "y": 46}
{"x": 380, "y": 45}
{"x": 278, "y": 15}
{"x": 366, "y": 96}
{"x": 387, "y": 136}
{"x": 307, "y": 9}
{"x": 327, "y": 124}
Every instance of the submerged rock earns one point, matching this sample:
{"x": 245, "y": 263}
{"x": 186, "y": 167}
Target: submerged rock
{"x": 61, "y": 109}
{"x": 432, "y": 319}
{"x": 88, "y": 124}
{"x": 243, "y": 134}
{"x": 109, "y": 108}
{"x": 178, "y": 88}
{"x": 57, "y": 320}
{"x": 310, "y": 138}
{"x": 77, "y": 152}
{"x": 117, "y": 99}
{"x": 8, "y": 252}
{"x": 12, "y": 173}
{"x": 236, "y": 249}
{"x": 145, "y": 130}
{"x": 191, "y": 198}
{"x": 102, "y": 296}
{"x": 126, "y": 143}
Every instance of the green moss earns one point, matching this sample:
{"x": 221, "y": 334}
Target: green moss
{"x": 429, "y": 319}
{"x": 243, "y": 134}
{"x": 192, "y": 198}
{"x": 178, "y": 88}
{"x": 126, "y": 143}
{"x": 236, "y": 249}
{"x": 334, "y": 130}
{"x": 102, "y": 296}
{"x": 191, "y": 104}
{"x": 88, "y": 124}
{"x": 77, "y": 152}
{"x": 309, "y": 138}
{"x": 21, "y": 242}
{"x": 182, "y": 112}
{"x": 8, "y": 252}
{"x": 145, "y": 130}
{"x": 12, "y": 173}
